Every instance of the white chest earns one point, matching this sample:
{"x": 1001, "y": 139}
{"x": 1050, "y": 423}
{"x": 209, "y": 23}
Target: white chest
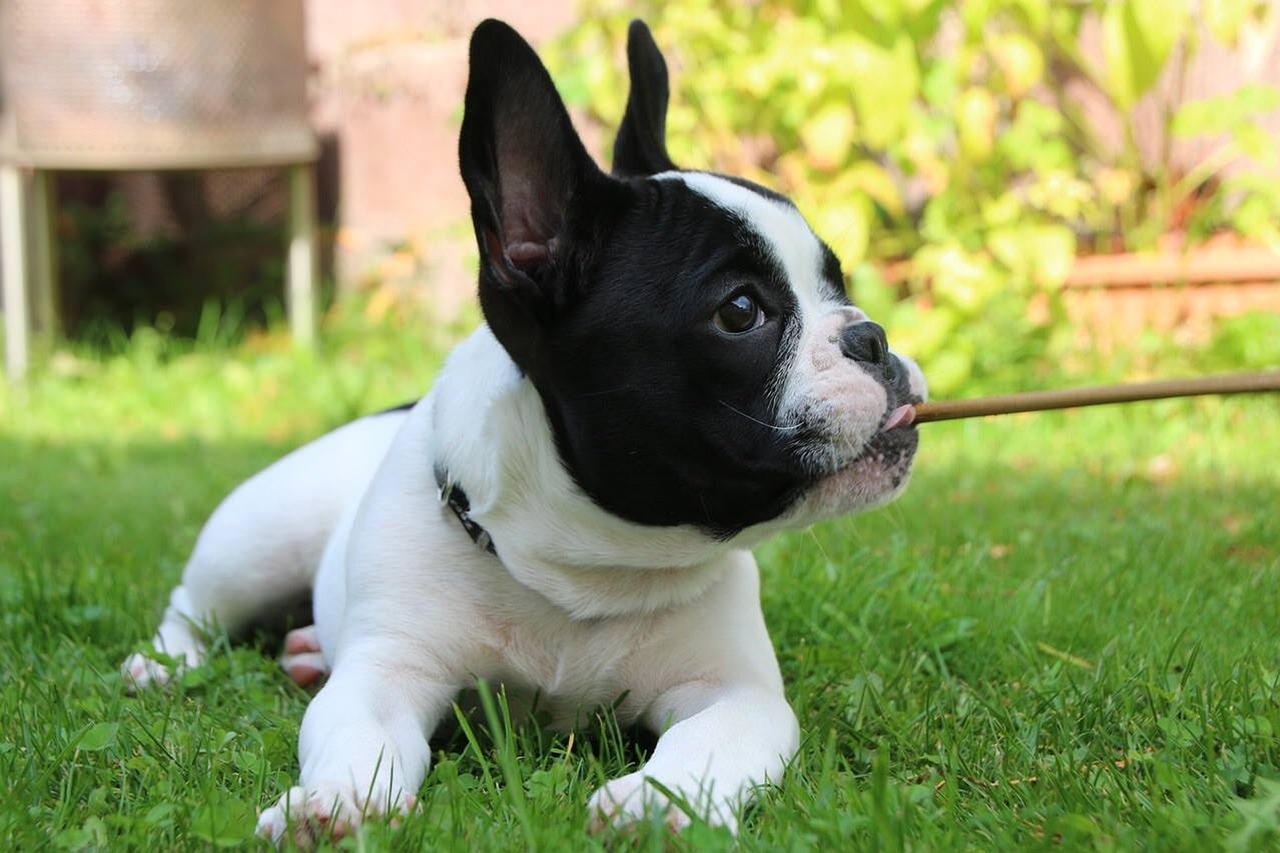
{"x": 569, "y": 667}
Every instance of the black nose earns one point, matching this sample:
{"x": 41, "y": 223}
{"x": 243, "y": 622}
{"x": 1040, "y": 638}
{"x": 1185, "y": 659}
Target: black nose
{"x": 865, "y": 342}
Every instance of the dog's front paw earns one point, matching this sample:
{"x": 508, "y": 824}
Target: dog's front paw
{"x": 141, "y": 672}
{"x": 630, "y": 799}
{"x": 311, "y": 814}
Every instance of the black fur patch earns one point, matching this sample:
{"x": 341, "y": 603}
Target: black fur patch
{"x": 641, "y": 146}
{"x": 660, "y": 417}
{"x": 603, "y": 291}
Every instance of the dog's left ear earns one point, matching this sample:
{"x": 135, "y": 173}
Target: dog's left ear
{"x": 641, "y": 148}
{"x": 526, "y": 171}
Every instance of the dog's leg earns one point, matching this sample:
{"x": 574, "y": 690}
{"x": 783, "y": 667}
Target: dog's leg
{"x": 253, "y": 560}
{"x": 723, "y": 743}
{"x": 179, "y": 637}
{"x": 257, "y": 555}
{"x": 724, "y": 723}
{"x": 363, "y": 747}
{"x": 302, "y": 659}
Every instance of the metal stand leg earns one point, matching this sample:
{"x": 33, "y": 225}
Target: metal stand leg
{"x": 44, "y": 256}
{"x": 302, "y": 255}
{"x": 13, "y": 268}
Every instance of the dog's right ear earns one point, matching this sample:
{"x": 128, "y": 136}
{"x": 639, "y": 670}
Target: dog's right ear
{"x": 526, "y": 171}
{"x": 641, "y": 148}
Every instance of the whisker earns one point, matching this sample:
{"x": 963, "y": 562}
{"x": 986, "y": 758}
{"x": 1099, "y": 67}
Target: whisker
{"x": 604, "y": 392}
{"x": 758, "y": 421}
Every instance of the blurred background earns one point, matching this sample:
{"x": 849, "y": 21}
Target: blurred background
{"x": 1020, "y": 190}
{"x": 232, "y": 225}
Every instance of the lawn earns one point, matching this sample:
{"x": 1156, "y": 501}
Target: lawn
{"x": 1064, "y": 636}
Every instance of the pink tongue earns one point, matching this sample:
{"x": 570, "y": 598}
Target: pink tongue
{"x": 901, "y": 416}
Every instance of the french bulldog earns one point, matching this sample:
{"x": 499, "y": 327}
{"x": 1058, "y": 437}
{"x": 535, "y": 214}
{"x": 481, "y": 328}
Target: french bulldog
{"x": 669, "y": 373}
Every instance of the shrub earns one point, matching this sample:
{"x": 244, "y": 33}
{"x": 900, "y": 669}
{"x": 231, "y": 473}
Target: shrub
{"x": 941, "y": 132}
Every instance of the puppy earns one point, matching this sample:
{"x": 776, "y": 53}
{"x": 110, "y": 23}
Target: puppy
{"x": 670, "y": 373}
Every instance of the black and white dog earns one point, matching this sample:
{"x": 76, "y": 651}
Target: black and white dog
{"x": 670, "y": 373}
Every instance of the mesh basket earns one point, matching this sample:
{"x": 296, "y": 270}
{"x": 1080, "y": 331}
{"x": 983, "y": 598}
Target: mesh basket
{"x": 144, "y": 84}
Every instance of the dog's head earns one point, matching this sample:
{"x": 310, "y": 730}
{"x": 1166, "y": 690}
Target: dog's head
{"x": 688, "y": 334}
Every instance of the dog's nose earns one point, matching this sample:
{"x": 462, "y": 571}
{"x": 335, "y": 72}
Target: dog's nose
{"x": 865, "y": 342}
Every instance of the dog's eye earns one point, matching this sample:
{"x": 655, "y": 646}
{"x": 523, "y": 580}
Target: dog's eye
{"x": 740, "y": 314}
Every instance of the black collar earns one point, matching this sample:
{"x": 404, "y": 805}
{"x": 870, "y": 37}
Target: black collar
{"x": 455, "y": 498}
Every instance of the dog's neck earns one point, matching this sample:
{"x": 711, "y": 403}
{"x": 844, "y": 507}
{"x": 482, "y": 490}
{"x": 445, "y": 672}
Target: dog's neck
{"x": 490, "y": 432}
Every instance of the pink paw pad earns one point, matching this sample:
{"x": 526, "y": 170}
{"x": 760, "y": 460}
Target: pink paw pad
{"x": 302, "y": 660}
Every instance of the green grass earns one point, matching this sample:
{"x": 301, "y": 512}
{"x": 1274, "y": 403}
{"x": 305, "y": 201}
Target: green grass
{"x": 1064, "y": 636}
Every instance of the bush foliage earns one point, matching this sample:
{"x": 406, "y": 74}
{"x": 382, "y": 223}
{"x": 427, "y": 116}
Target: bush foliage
{"x": 943, "y": 133}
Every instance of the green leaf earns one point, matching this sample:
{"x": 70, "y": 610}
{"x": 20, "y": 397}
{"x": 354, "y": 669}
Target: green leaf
{"x": 923, "y": 333}
{"x": 1020, "y": 60}
{"x": 846, "y": 226}
{"x": 1055, "y": 253}
{"x": 1138, "y": 37}
{"x": 1256, "y": 144}
{"x": 75, "y": 838}
{"x": 1035, "y": 13}
{"x": 1039, "y": 255}
{"x": 874, "y": 18}
{"x": 1256, "y": 98}
{"x": 961, "y": 279}
{"x": 98, "y": 737}
{"x": 975, "y": 14}
{"x": 226, "y": 823}
{"x": 1226, "y": 18}
{"x": 828, "y": 135}
{"x": 870, "y": 292}
{"x": 871, "y": 178}
{"x": 976, "y": 115}
{"x": 887, "y": 81}
{"x": 1226, "y": 113}
{"x": 1196, "y": 118}
{"x": 158, "y": 814}
{"x": 949, "y": 372}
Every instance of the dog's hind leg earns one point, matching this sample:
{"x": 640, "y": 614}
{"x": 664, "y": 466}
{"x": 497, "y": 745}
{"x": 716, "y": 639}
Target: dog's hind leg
{"x": 178, "y": 637}
{"x": 257, "y": 555}
{"x": 302, "y": 659}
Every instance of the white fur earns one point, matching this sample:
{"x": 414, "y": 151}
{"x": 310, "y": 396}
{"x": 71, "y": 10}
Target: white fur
{"x": 554, "y": 538}
{"x": 582, "y": 608}
{"x": 260, "y": 548}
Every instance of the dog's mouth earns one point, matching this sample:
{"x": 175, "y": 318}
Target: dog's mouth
{"x": 881, "y": 466}
{"x": 874, "y": 476}
{"x": 903, "y": 416}
{"x": 894, "y": 442}
{"x": 894, "y": 446}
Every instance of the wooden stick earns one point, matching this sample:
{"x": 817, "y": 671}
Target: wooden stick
{"x": 1038, "y": 401}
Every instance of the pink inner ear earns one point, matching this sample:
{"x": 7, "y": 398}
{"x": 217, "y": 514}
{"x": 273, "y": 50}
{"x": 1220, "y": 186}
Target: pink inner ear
{"x": 493, "y": 246}
{"x": 526, "y": 256}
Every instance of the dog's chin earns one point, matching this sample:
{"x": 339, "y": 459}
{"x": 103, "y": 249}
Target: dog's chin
{"x": 875, "y": 477}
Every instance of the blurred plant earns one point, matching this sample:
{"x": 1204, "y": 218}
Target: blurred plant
{"x": 944, "y": 133}
{"x": 112, "y": 278}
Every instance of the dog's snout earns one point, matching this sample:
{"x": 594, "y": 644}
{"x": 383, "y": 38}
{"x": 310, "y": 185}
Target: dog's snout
{"x": 865, "y": 342}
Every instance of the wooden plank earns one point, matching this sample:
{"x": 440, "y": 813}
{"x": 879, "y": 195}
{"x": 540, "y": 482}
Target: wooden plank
{"x": 302, "y": 255}
{"x": 44, "y": 255}
{"x": 13, "y": 268}
{"x": 1215, "y": 266}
